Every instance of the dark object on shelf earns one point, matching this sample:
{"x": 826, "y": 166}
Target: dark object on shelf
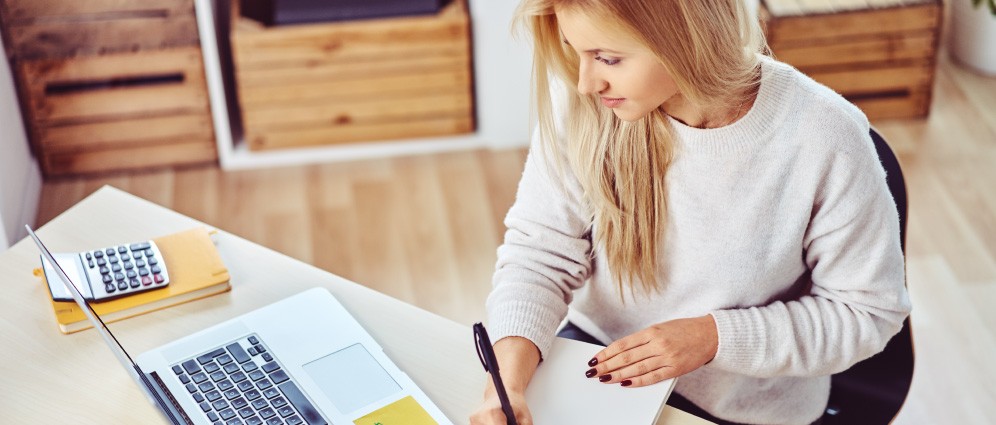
{"x": 283, "y": 12}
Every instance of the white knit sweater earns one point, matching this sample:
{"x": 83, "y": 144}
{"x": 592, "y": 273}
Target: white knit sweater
{"x": 780, "y": 225}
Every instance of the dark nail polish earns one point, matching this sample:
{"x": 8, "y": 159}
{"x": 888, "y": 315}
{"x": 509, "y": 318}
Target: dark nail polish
{"x": 605, "y": 378}
{"x": 590, "y": 373}
{"x": 592, "y": 362}
{"x": 626, "y": 383}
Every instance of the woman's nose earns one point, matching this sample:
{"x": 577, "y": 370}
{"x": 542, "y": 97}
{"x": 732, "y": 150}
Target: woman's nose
{"x": 589, "y": 82}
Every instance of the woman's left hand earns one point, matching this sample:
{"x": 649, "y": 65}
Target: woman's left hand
{"x": 662, "y": 351}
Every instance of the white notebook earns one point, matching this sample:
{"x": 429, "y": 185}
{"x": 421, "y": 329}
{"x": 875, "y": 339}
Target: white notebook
{"x": 560, "y": 393}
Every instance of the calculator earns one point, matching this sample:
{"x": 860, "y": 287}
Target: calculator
{"x": 108, "y": 273}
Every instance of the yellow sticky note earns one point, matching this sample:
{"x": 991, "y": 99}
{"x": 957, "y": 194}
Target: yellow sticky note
{"x": 406, "y": 411}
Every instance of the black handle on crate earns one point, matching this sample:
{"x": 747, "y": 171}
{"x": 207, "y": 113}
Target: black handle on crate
{"x": 66, "y": 87}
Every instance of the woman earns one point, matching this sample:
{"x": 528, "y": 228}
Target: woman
{"x": 706, "y": 211}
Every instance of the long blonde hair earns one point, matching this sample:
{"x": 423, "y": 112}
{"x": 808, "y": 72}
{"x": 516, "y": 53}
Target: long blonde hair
{"x": 710, "y": 48}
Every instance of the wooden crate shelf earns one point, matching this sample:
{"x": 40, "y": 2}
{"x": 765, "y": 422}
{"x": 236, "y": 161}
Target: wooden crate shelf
{"x": 345, "y": 82}
{"x": 880, "y": 54}
{"x": 110, "y": 85}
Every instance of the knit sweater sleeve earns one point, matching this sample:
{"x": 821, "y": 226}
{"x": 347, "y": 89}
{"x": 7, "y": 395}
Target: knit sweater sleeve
{"x": 858, "y": 298}
{"x": 545, "y": 255}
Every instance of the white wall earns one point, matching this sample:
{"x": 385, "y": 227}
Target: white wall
{"x": 20, "y": 180}
{"x": 502, "y": 67}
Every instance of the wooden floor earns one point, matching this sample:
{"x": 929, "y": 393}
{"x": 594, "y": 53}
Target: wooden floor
{"x": 425, "y": 229}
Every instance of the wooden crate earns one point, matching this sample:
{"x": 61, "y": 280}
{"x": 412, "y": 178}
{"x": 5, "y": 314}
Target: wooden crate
{"x": 879, "y": 54}
{"x": 45, "y": 29}
{"x": 109, "y": 85}
{"x": 345, "y": 82}
{"x": 125, "y": 111}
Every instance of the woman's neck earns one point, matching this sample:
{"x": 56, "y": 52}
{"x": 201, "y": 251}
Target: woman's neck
{"x": 685, "y": 112}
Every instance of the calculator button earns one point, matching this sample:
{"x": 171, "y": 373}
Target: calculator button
{"x": 128, "y": 265}
{"x": 101, "y": 262}
{"x": 109, "y": 251}
{"x": 125, "y": 257}
{"x": 119, "y": 276}
{"x": 139, "y": 262}
{"x": 122, "y": 286}
{"x": 153, "y": 261}
{"x": 115, "y": 267}
{"x": 159, "y": 278}
{"x": 107, "y": 278}
{"x": 112, "y": 259}
{"x": 149, "y": 253}
{"x": 104, "y": 270}
{"x": 156, "y": 269}
{"x": 146, "y": 280}
{"x": 133, "y": 283}
{"x": 91, "y": 264}
{"x": 109, "y": 288}
{"x": 98, "y": 254}
{"x": 122, "y": 249}
{"x": 131, "y": 274}
{"x": 143, "y": 271}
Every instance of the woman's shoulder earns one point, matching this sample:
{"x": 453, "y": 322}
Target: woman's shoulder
{"x": 821, "y": 114}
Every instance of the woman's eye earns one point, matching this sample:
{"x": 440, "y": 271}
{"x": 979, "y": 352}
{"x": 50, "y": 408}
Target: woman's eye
{"x": 606, "y": 60}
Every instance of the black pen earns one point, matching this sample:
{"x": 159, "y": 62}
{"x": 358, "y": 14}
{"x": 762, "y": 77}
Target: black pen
{"x": 487, "y": 355}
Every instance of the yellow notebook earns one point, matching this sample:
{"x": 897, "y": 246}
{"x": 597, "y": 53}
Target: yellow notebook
{"x": 195, "y": 271}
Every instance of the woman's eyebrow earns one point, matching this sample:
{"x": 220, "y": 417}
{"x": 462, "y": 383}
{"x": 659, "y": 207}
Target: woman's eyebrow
{"x": 592, "y": 50}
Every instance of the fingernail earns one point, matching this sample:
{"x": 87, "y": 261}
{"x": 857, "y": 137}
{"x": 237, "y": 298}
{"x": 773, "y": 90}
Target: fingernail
{"x": 605, "y": 378}
{"x": 626, "y": 383}
{"x": 590, "y": 373}
{"x": 592, "y": 362}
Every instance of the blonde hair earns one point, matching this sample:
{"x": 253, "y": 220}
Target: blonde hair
{"x": 710, "y": 48}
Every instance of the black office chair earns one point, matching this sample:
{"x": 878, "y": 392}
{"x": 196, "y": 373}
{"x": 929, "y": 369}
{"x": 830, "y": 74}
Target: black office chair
{"x": 873, "y": 390}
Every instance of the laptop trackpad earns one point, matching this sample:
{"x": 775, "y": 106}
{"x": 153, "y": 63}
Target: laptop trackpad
{"x": 351, "y": 378}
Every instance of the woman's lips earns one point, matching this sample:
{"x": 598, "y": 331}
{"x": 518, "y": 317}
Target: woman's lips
{"x": 612, "y": 102}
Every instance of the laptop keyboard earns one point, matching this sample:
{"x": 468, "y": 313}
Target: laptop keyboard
{"x": 242, "y": 383}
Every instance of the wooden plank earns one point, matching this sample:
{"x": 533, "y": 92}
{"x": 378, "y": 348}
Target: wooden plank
{"x": 121, "y": 65}
{"x": 115, "y": 86}
{"x": 61, "y": 39}
{"x": 125, "y": 103}
{"x": 854, "y": 24}
{"x": 885, "y": 49}
{"x": 360, "y": 133}
{"x": 21, "y": 12}
{"x": 913, "y": 105}
{"x": 336, "y": 70}
{"x": 294, "y": 46}
{"x": 277, "y": 117}
{"x": 349, "y": 90}
{"x": 124, "y": 133}
{"x": 139, "y": 158}
{"x": 849, "y": 82}
{"x": 448, "y": 40}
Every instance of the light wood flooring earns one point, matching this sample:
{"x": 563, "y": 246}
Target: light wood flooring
{"x": 424, "y": 229}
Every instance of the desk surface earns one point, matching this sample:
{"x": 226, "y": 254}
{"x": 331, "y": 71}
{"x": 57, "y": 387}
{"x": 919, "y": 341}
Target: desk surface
{"x": 48, "y": 377}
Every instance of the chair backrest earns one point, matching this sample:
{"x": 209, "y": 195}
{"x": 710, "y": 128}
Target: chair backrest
{"x": 873, "y": 390}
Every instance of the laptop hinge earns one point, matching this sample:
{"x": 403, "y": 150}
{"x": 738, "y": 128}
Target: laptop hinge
{"x": 169, "y": 406}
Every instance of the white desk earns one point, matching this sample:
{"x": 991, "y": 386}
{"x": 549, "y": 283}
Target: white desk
{"x": 47, "y": 377}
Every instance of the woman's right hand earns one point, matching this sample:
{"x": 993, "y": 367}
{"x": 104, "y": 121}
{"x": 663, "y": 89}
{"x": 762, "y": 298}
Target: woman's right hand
{"x": 490, "y": 412}
{"x": 517, "y": 360}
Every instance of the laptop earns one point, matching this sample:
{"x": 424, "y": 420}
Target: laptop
{"x": 301, "y": 360}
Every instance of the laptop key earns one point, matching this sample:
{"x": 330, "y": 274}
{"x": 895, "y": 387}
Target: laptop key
{"x": 260, "y": 404}
{"x": 213, "y": 395}
{"x": 267, "y": 413}
{"x": 270, "y": 367}
{"x": 218, "y": 405}
{"x": 255, "y": 420}
{"x": 253, "y": 394}
{"x": 245, "y": 385}
{"x": 246, "y": 412}
{"x": 294, "y": 420}
{"x": 234, "y": 421}
{"x": 212, "y": 416}
{"x": 239, "y": 403}
{"x": 301, "y": 403}
{"x": 278, "y": 402}
{"x": 191, "y": 388}
{"x": 224, "y": 359}
{"x": 211, "y": 367}
{"x": 279, "y": 376}
{"x": 209, "y": 356}
{"x": 285, "y": 411}
{"x": 264, "y": 384}
{"x": 205, "y": 387}
{"x": 238, "y": 353}
{"x": 198, "y": 397}
{"x": 227, "y": 414}
{"x": 271, "y": 392}
{"x": 231, "y": 368}
{"x": 233, "y": 393}
{"x": 238, "y": 377}
{"x": 191, "y": 366}
{"x": 274, "y": 421}
{"x": 205, "y": 407}
{"x": 256, "y": 375}
{"x": 225, "y": 385}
